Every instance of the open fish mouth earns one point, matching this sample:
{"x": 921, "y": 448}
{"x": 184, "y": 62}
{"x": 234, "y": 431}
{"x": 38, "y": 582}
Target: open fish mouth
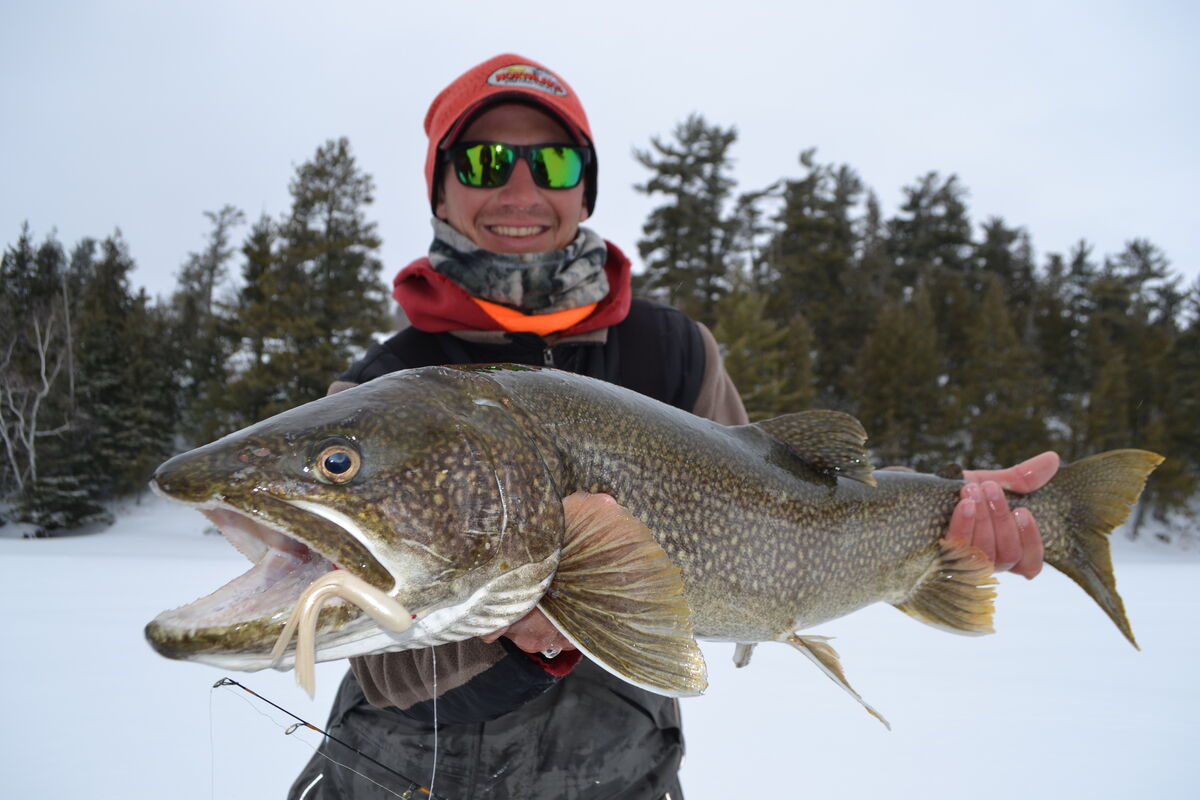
{"x": 237, "y": 625}
{"x": 283, "y": 567}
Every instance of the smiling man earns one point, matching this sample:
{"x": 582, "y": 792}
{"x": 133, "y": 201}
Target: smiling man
{"x": 512, "y": 276}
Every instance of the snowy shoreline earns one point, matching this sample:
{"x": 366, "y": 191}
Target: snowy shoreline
{"x": 1056, "y": 695}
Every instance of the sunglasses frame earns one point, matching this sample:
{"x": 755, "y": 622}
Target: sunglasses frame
{"x": 520, "y": 151}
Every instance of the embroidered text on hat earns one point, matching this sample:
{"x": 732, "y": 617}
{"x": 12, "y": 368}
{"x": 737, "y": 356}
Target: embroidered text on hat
{"x": 527, "y": 77}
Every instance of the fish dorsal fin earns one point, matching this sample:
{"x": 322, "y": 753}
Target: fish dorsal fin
{"x": 956, "y": 592}
{"x": 951, "y": 472}
{"x": 619, "y": 599}
{"x": 830, "y": 442}
{"x": 818, "y": 649}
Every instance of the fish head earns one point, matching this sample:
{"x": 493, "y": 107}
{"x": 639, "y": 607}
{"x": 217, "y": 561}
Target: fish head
{"x": 428, "y": 485}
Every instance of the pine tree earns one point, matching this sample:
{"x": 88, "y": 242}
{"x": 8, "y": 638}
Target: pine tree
{"x": 815, "y": 261}
{"x": 688, "y": 244}
{"x": 898, "y": 386}
{"x": 1107, "y": 417}
{"x": 1006, "y": 254}
{"x": 1126, "y": 325}
{"x": 930, "y": 242}
{"x": 126, "y": 422}
{"x": 769, "y": 363}
{"x": 1002, "y": 394}
{"x": 932, "y": 230}
{"x": 200, "y": 330}
{"x": 1176, "y": 431}
{"x": 1055, "y": 335}
{"x": 313, "y": 296}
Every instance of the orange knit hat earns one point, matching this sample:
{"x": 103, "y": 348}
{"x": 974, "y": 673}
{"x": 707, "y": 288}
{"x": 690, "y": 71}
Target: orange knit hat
{"x": 511, "y": 78}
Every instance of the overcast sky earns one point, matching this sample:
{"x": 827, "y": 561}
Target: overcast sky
{"x": 1071, "y": 119}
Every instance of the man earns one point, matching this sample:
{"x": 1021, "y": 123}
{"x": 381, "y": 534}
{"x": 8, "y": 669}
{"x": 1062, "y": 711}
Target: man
{"x": 512, "y": 276}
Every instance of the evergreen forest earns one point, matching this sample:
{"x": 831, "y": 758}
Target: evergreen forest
{"x": 948, "y": 337}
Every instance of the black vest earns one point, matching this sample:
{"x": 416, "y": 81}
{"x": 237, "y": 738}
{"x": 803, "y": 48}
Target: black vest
{"x": 656, "y": 350}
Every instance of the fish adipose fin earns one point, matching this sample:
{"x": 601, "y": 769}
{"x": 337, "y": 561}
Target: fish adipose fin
{"x": 619, "y": 599}
{"x": 828, "y": 441}
{"x": 956, "y": 594}
{"x": 1086, "y": 500}
{"x": 821, "y": 653}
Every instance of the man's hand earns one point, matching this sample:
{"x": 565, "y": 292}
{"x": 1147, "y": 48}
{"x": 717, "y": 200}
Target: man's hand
{"x": 533, "y": 633}
{"x": 982, "y": 517}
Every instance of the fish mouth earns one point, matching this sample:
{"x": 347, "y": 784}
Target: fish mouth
{"x": 237, "y": 625}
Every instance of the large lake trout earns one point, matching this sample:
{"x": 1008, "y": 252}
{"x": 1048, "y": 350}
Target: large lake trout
{"x": 437, "y": 504}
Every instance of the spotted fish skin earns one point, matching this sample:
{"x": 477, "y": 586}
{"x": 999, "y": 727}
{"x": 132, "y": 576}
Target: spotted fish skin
{"x": 767, "y": 545}
{"x": 459, "y": 481}
{"x": 771, "y": 538}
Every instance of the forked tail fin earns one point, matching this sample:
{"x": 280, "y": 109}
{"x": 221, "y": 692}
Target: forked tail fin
{"x": 1077, "y": 511}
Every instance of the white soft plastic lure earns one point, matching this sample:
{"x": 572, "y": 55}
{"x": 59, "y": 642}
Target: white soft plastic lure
{"x": 389, "y": 614}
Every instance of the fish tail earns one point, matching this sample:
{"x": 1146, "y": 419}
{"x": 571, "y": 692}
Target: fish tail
{"x": 1077, "y": 511}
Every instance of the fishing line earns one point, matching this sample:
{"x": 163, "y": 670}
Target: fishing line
{"x": 433, "y": 772}
{"x": 288, "y": 731}
{"x": 413, "y": 789}
{"x": 212, "y": 752}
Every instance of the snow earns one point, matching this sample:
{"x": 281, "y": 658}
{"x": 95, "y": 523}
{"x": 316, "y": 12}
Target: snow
{"x": 1056, "y": 705}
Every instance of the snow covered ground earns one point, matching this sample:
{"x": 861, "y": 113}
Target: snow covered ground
{"x": 1057, "y": 705}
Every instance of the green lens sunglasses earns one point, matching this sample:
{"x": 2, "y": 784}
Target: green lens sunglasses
{"x": 487, "y": 165}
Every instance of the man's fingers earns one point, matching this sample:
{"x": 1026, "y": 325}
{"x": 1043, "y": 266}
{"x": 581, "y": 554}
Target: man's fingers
{"x": 962, "y": 521}
{"x": 1007, "y": 541}
{"x": 1028, "y": 476}
{"x": 534, "y": 633}
{"x": 494, "y": 635}
{"x": 1032, "y": 549}
{"x": 984, "y": 535}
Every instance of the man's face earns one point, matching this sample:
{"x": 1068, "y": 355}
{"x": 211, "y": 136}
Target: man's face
{"x": 520, "y": 216}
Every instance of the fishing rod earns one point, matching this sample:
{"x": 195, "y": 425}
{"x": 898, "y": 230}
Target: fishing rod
{"x": 413, "y": 789}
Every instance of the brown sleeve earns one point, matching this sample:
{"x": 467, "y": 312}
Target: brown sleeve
{"x": 718, "y": 399}
{"x": 406, "y": 678}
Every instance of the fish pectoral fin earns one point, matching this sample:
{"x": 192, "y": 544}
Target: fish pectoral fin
{"x": 619, "y": 599}
{"x": 821, "y": 653}
{"x": 956, "y": 593}
{"x": 742, "y": 653}
{"x": 831, "y": 442}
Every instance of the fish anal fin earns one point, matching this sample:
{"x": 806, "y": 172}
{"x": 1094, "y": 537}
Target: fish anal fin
{"x": 830, "y": 442}
{"x": 957, "y": 593}
{"x": 821, "y": 653}
{"x": 742, "y": 653}
{"x": 619, "y": 599}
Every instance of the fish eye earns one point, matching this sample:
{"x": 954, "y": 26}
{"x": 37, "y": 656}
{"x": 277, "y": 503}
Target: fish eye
{"x": 338, "y": 463}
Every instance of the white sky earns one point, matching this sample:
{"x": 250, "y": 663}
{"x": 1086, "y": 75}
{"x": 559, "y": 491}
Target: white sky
{"x": 1073, "y": 119}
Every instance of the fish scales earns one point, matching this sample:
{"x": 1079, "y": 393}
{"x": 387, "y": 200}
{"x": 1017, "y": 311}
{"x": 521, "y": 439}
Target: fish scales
{"x": 765, "y": 547}
{"x": 437, "y": 504}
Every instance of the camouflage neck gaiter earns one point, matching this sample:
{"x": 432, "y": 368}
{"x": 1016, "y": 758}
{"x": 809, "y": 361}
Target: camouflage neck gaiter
{"x": 538, "y": 283}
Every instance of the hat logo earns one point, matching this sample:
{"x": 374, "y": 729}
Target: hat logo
{"x": 523, "y": 76}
